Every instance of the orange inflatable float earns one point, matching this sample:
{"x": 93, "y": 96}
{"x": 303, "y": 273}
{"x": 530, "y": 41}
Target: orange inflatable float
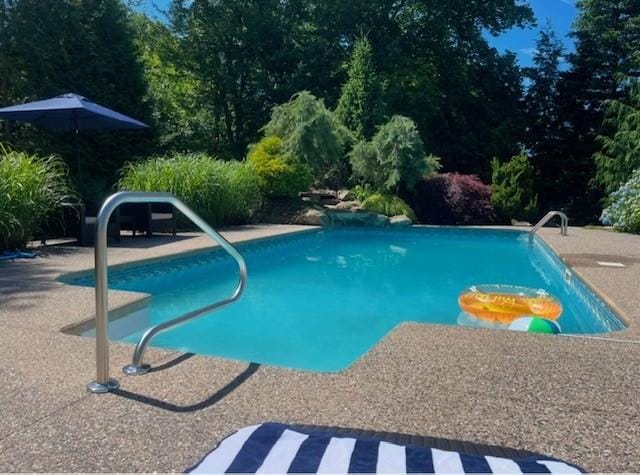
{"x": 504, "y": 304}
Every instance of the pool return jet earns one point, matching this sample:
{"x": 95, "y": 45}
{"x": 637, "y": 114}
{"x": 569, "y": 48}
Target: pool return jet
{"x": 103, "y": 383}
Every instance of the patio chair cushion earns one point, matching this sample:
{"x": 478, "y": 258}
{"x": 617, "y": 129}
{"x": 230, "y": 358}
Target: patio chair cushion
{"x": 161, "y": 216}
{"x": 278, "y": 448}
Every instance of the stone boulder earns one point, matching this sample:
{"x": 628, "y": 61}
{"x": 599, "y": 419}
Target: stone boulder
{"x": 347, "y": 206}
{"x": 313, "y": 217}
{"x": 381, "y": 221}
{"x": 368, "y": 219}
{"x": 400, "y": 221}
{"x": 346, "y": 195}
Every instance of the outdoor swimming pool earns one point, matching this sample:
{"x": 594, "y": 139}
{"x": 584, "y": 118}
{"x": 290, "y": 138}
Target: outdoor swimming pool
{"x": 318, "y": 301}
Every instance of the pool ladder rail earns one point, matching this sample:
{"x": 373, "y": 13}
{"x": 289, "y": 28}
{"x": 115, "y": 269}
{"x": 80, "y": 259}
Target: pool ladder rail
{"x": 103, "y": 383}
{"x": 564, "y": 224}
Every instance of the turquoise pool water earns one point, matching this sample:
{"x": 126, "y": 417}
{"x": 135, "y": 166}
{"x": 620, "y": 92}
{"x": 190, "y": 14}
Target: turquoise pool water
{"x": 318, "y": 301}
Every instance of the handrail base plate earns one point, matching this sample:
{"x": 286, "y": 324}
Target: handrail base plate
{"x": 100, "y": 388}
{"x": 133, "y": 370}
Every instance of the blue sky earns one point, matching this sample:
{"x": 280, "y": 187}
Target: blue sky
{"x": 561, "y": 13}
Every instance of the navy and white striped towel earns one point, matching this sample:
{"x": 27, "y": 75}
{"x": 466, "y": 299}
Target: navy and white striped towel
{"x": 277, "y": 448}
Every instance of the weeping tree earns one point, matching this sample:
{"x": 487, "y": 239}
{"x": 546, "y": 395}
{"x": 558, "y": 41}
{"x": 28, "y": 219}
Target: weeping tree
{"x": 312, "y": 134}
{"x": 393, "y": 159}
{"x": 620, "y": 153}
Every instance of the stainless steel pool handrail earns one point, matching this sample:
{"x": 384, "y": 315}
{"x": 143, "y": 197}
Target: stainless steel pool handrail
{"x": 564, "y": 224}
{"x": 103, "y": 383}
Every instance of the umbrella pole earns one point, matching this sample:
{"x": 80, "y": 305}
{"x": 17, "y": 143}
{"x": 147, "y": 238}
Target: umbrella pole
{"x": 77, "y": 152}
{"x": 75, "y": 120}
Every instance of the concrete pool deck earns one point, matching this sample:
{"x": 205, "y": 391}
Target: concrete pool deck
{"x": 573, "y": 398}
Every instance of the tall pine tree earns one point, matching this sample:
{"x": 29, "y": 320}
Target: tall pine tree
{"x": 541, "y": 106}
{"x": 607, "y": 36}
{"x": 620, "y": 154}
{"x": 361, "y": 104}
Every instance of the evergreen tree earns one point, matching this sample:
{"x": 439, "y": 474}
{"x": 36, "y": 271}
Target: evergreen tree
{"x": 6, "y": 70}
{"x": 512, "y": 191}
{"x": 620, "y": 154}
{"x": 541, "y": 105}
{"x": 394, "y": 159}
{"x": 361, "y": 105}
{"x": 542, "y": 94}
{"x": 311, "y": 134}
{"x": 607, "y": 36}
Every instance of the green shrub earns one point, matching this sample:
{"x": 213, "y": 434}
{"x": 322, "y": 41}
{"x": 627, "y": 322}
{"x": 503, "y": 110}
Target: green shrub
{"x": 220, "y": 192}
{"x": 452, "y": 199}
{"x": 623, "y": 212}
{"x": 512, "y": 189}
{"x": 311, "y": 133}
{"x": 32, "y": 191}
{"x": 280, "y": 175}
{"x": 389, "y": 205}
{"x": 362, "y": 192}
{"x": 394, "y": 158}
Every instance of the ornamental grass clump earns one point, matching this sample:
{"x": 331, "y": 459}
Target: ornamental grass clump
{"x": 32, "y": 192}
{"x": 388, "y": 205}
{"x": 623, "y": 212}
{"x": 220, "y": 192}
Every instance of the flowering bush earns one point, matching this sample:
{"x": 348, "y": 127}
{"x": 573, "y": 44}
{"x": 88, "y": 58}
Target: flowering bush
{"x": 452, "y": 198}
{"x": 623, "y": 212}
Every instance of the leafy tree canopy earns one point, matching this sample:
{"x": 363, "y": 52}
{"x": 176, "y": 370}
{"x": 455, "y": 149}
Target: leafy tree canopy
{"x": 58, "y": 46}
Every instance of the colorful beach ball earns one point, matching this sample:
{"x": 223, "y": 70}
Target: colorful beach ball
{"x": 534, "y": 325}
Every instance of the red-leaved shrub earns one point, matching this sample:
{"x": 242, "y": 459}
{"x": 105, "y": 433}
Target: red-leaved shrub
{"x": 452, "y": 199}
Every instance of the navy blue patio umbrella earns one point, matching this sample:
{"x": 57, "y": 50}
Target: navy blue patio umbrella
{"x": 70, "y": 112}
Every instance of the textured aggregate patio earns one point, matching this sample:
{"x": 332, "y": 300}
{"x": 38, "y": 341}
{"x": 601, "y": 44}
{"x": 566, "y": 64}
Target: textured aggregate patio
{"x": 569, "y": 397}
